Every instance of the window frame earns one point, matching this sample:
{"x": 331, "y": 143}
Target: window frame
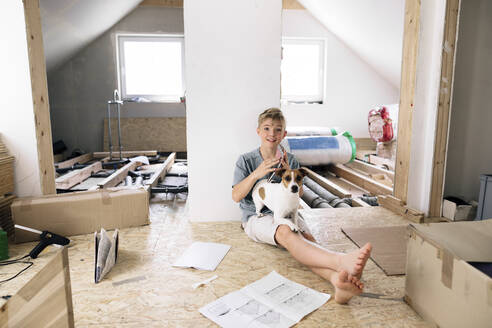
{"x": 320, "y": 97}
{"x": 120, "y": 64}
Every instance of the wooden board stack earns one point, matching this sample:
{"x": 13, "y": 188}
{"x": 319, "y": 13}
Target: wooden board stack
{"x": 6, "y": 189}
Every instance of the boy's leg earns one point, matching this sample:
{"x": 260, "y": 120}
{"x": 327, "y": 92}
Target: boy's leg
{"x": 313, "y": 256}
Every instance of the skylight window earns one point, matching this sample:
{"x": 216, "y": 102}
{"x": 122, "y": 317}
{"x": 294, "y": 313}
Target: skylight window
{"x": 151, "y": 67}
{"x": 302, "y": 69}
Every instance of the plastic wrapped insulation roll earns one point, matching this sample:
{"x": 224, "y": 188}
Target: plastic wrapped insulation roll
{"x": 333, "y": 200}
{"x": 128, "y": 181}
{"x": 313, "y": 200}
{"x": 373, "y": 201}
{"x": 320, "y": 150}
{"x": 299, "y": 131}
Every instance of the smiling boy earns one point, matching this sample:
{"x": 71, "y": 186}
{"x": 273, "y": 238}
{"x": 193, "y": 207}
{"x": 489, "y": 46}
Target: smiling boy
{"x": 342, "y": 270}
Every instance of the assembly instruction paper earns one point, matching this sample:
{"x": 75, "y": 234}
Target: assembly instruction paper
{"x": 273, "y": 302}
{"x": 202, "y": 256}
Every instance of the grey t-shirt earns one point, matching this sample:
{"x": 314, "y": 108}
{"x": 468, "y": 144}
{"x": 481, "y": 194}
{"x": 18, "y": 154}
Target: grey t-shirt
{"x": 245, "y": 165}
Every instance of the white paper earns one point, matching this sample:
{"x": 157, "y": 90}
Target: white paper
{"x": 273, "y": 302}
{"x": 202, "y": 256}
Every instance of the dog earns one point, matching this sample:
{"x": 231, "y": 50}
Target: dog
{"x": 281, "y": 198}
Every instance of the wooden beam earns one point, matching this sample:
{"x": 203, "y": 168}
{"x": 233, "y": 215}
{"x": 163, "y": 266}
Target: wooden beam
{"x": 70, "y": 162}
{"x": 444, "y": 108}
{"x": 361, "y": 180}
{"x": 118, "y": 176}
{"x": 370, "y": 169}
{"x": 40, "y": 97}
{"x": 69, "y": 180}
{"x": 128, "y": 153}
{"x": 328, "y": 185}
{"x": 357, "y": 202}
{"x": 407, "y": 96}
{"x": 397, "y": 206}
{"x": 45, "y": 300}
{"x": 381, "y": 161}
{"x": 162, "y": 3}
{"x": 165, "y": 167}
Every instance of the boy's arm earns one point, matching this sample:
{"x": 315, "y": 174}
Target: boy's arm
{"x": 241, "y": 189}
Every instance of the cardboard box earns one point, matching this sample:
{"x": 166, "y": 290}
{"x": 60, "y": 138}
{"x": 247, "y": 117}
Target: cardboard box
{"x": 440, "y": 283}
{"x": 81, "y": 212}
{"x": 458, "y": 212}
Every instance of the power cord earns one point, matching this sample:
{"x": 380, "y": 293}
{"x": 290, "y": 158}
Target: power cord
{"x": 19, "y": 260}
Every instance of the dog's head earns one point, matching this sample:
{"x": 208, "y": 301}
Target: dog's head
{"x": 292, "y": 179}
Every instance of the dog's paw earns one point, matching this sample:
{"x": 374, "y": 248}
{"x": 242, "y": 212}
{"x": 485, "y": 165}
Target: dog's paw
{"x": 289, "y": 223}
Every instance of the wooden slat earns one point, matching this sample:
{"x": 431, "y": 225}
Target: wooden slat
{"x": 361, "y": 180}
{"x": 70, "y": 162}
{"x": 69, "y": 180}
{"x": 407, "y": 96}
{"x": 128, "y": 153}
{"x": 40, "y": 97}
{"x": 444, "y": 108}
{"x": 43, "y": 301}
{"x": 118, "y": 176}
{"x": 357, "y": 202}
{"x": 328, "y": 185}
{"x": 381, "y": 161}
{"x": 370, "y": 169}
{"x": 166, "y": 166}
{"x": 398, "y": 206}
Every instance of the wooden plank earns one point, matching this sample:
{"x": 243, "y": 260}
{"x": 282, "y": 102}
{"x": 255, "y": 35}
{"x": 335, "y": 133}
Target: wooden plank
{"x": 40, "y": 97}
{"x": 103, "y": 154}
{"x": 118, "y": 176}
{"x": 407, "y": 96}
{"x": 397, "y": 206}
{"x": 70, "y": 162}
{"x": 44, "y": 300}
{"x": 166, "y": 166}
{"x": 361, "y": 180}
{"x": 365, "y": 144}
{"x": 357, "y": 202}
{"x": 370, "y": 169}
{"x": 381, "y": 161}
{"x": 448, "y": 60}
{"x": 162, "y": 3}
{"x": 328, "y": 185}
{"x": 69, "y": 180}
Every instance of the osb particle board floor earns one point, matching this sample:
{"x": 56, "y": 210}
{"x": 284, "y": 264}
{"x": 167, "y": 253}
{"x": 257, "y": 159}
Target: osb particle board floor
{"x": 143, "y": 288}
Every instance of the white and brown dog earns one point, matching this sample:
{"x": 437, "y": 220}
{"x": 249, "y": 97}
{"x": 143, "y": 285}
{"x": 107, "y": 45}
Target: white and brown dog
{"x": 281, "y": 198}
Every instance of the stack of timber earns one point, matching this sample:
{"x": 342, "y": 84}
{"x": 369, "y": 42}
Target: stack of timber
{"x": 6, "y": 188}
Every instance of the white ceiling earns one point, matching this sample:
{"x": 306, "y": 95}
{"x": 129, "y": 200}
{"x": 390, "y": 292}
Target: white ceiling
{"x": 373, "y": 29}
{"x": 69, "y": 25}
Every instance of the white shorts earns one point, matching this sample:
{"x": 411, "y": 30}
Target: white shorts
{"x": 261, "y": 230}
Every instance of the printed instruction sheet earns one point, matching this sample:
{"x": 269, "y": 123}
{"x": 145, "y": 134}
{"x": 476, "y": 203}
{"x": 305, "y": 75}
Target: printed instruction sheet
{"x": 202, "y": 256}
{"x": 273, "y": 302}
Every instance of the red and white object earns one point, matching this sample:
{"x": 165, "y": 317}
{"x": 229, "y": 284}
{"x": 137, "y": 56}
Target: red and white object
{"x": 380, "y": 125}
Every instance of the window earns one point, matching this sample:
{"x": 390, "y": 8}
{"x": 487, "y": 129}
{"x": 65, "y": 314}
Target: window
{"x": 151, "y": 67}
{"x": 302, "y": 69}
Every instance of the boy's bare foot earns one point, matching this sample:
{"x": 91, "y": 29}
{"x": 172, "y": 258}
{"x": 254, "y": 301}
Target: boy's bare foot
{"x": 346, "y": 286}
{"x": 355, "y": 261}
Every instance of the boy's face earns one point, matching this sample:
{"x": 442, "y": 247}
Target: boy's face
{"x": 271, "y": 132}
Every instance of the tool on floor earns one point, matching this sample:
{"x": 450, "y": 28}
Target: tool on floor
{"x": 118, "y": 102}
{"x": 47, "y": 238}
{"x": 382, "y": 297}
{"x": 204, "y": 282}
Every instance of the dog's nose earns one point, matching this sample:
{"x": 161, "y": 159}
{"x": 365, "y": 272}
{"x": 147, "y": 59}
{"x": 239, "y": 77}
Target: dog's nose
{"x": 294, "y": 189}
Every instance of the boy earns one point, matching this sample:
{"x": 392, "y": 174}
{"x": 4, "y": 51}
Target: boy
{"x": 342, "y": 270}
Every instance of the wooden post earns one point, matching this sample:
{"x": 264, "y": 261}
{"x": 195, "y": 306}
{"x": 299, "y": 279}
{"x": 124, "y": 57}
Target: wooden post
{"x": 407, "y": 97}
{"x": 40, "y": 98}
{"x": 444, "y": 108}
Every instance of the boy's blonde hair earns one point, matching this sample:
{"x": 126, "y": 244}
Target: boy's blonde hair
{"x": 274, "y": 113}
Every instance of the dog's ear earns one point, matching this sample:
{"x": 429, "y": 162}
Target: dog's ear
{"x": 280, "y": 172}
{"x": 303, "y": 172}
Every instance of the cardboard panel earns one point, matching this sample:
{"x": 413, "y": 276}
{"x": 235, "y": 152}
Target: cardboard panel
{"x": 81, "y": 212}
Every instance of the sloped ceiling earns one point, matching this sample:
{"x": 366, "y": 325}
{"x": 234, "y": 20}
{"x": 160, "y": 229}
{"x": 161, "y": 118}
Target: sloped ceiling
{"x": 373, "y": 29}
{"x": 70, "y": 25}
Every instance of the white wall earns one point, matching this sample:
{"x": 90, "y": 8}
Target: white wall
{"x": 470, "y": 137}
{"x": 16, "y": 107}
{"x": 426, "y": 99}
{"x": 232, "y": 74}
{"x": 352, "y": 87}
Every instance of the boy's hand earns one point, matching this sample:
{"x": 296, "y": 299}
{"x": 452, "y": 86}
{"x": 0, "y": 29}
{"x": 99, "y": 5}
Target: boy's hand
{"x": 265, "y": 167}
{"x": 285, "y": 162}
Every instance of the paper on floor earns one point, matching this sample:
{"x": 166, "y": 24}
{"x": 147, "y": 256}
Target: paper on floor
{"x": 202, "y": 256}
{"x": 272, "y": 301}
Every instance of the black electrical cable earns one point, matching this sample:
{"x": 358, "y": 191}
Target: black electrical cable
{"x": 19, "y": 260}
